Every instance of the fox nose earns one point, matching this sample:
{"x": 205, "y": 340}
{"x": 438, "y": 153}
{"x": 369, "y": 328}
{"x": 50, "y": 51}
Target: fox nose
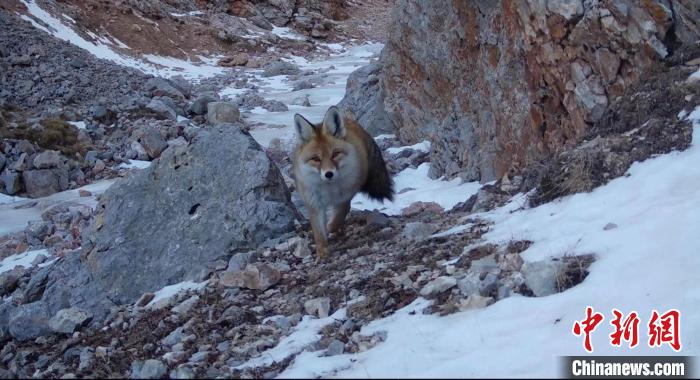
{"x": 329, "y": 174}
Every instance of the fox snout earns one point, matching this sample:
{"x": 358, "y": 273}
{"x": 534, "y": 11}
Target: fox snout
{"x": 328, "y": 175}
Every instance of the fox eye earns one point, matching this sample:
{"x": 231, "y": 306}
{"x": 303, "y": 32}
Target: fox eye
{"x": 338, "y": 154}
{"x": 315, "y": 159}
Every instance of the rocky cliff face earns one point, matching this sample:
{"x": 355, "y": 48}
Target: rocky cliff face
{"x": 496, "y": 86}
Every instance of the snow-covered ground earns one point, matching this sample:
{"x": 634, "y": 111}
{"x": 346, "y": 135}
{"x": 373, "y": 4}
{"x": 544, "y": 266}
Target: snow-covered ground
{"x": 24, "y": 259}
{"x": 280, "y": 125}
{"x": 170, "y": 291}
{"x": 307, "y": 332}
{"x": 413, "y": 185}
{"x": 17, "y": 212}
{"x": 647, "y": 263}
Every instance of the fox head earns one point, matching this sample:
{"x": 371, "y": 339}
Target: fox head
{"x": 323, "y": 150}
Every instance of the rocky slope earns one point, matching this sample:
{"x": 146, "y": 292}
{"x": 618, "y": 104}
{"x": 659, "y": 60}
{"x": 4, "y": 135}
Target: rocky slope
{"x": 189, "y": 29}
{"x": 503, "y": 85}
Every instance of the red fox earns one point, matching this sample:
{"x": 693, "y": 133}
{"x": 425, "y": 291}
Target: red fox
{"x": 334, "y": 161}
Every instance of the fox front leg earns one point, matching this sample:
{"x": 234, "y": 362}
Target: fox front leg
{"x": 318, "y": 226}
{"x": 338, "y": 220}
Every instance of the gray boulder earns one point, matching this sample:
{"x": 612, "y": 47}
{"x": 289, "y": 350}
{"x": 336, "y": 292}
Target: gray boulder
{"x": 36, "y": 231}
{"x": 139, "y": 150}
{"x": 153, "y": 143}
{"x": 100, "y": 112}
{"x": 69, "y": 283}
{"x": 6, "y": 309}
{"x": 195, "y": 206}
{"x": 240, "y": 260}
{"x": 68, "y": 320}
{"x": 29, "y": 321}
{"x": 418, "y": 230}
{"x": 11, "y": 181}
{"x": 280, "y": 68}
{"x": 9, "y": 279}
{"x": 161, "y": 110}
{"x": 222, "y": 112}
{"x": 47, "y": 159}
{"x": 258, "y": 276}
{"x": 364, "y": 98}
{"x": 437, "y": 286}
{"x": 302, "y": 85}
{"x": 320, "y": 307}
{"x": 543, "y": 277}
{"x": 149, "y": 369}
{"x": 199, "y": 106}
{"x": 163, "y": 87}
{"x": 43, "y": 182}
{"x": 275, "y": 106}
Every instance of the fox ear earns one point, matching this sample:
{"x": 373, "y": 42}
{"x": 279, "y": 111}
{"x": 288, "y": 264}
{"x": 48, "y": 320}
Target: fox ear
{"x": 333, "y": 122}
{"x": 304, "y": 128}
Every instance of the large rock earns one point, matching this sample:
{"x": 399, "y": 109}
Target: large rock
{"x": 161, "y": 87}
{"x": 544, "y": 277}
{"x": 11, "y": 181}
{"x": 69, "y": 283}
{"x": 161, "y": 110}
{"x": 47, "y": 159}
{"x": 196, "y": 205}
{"x": 222, "y": 112}
{"x": 6, "y": 308}
{"x": 68, "y": 320}
{"x": 499, "y": 85}
{"x": 437, "y": 286}
{"x": 258, "y": 276}
{"x": 280, "y": 67}
{"x": 320, "y": 307}
{"x": 43, "y": 182}
{"x": 199, "y": 106}
{"x": 149, "y": 369}
{"x": 29, "y": 321}
{"x": 364, "y": 100}
{"x": 153, "y": 142}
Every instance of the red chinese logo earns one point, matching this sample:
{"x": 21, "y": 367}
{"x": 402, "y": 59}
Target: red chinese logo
{"x": 627, "y": 329}
{"x": 589, "y": 325}
{"x": 663, "y": 329}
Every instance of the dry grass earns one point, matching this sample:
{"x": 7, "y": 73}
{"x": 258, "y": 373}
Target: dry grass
{"x": 52, "y": 134}
{"x": 576, "y": 271}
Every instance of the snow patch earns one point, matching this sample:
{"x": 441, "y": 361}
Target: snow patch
{"x": 287, "y": 33}
{"x": 305, "y": 333}
{"x": 454, "y": 230}
{"x": 15, "y": 215}
{"x": 6, "y": 199}
{"x": 421, "y": 147}
{"x": 77, "y": 124}
{"x": 413, "y": 185}
{"x": 191, "y": 13}
{"x": 170, "y": 67}
{"x": 232, "y": 92}
{"x": 385, "y": 137}
{"x": 21, "y": 259}
{"x": 172, "y": 290}
{"x": 135, "y": 164}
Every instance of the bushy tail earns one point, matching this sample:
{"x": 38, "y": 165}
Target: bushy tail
{"x": 379, "y": 184}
